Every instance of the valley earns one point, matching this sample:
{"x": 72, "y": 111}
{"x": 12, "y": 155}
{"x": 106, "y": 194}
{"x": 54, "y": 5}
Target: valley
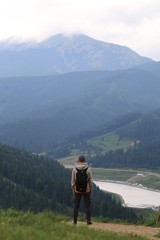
{"x": 109, "y": 114}
{"x": 79, "y": 82}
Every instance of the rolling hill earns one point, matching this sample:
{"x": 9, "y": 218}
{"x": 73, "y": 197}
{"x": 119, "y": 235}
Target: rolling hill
{"x": 35, "y": 112}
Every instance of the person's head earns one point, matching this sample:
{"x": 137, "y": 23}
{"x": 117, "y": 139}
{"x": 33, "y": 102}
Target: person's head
{"x": 81, "y": 158}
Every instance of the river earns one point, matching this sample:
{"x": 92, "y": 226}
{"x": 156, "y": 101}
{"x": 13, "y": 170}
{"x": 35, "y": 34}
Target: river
{"x": 133, "y": 196}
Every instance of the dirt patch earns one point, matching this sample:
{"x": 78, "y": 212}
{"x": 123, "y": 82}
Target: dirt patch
{"x": 148, "y": 232}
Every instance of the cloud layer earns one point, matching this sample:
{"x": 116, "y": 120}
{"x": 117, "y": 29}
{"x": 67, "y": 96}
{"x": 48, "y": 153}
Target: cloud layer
{"x": 133, "y": 23}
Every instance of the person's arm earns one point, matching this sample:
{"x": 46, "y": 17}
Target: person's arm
{"x": 73, "y": 180}
{"x": 90, "y": 181}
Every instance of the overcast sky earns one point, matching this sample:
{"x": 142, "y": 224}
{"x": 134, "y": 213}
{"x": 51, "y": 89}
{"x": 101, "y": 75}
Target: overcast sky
{"x": 133, "y": 23}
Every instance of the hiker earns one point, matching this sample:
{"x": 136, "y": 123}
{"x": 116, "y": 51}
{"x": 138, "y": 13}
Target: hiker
{"x": 82, "y": 186}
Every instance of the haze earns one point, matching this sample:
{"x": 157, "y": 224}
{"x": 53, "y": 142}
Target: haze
{"x": 133, "y": 23}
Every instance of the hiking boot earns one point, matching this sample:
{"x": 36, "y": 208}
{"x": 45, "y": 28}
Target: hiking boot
{"x": 89, "y": 223}
{"x": 74, "y": 222}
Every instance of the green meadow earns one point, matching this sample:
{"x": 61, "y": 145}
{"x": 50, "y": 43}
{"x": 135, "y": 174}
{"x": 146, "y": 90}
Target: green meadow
{"x": 112, "y": 174}
{"x": 109, "y": 142}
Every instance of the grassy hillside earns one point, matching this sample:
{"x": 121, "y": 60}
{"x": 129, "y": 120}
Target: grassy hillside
{"x": 131, "y": 141}
{"x": 98, "y": 140}
{"x": 16, "y": 225}
{"x": 108, "y": 142}
{"x": 143, "y": 152}
{"x": 123, "y": 133}
{"x": 111, "y": 174}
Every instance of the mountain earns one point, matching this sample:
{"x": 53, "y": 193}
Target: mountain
{"x": 62, "y": 53}
{"x": 35, "y": 112}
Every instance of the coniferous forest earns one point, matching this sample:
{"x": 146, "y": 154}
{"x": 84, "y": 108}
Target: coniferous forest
{"x": 32, "y": 182}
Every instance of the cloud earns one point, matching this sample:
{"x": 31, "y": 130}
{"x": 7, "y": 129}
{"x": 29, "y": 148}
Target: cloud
{"x": 134, "y": 23}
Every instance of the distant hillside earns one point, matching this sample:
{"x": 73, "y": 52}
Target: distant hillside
{"x": 62, "y": 53}
{"x": 117, "y": 134}
{"x": 35, "y": 112}
{"x": 28, "y": 181}
{"x": 143, "y": 150}
{"x": 151, "y": 67}
{"x": 130, "y": 141}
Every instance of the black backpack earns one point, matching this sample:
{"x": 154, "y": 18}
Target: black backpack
{"x": 81, "y": 180}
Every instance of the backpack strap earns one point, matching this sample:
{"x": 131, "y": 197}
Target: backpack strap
{"x": 85, "y": 170}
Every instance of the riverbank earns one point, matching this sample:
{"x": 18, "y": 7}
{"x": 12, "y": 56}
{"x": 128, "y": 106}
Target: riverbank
{"x": 133, "y": 196}
{"x": 140, "y": 178}
{"x": 129, "y": 178}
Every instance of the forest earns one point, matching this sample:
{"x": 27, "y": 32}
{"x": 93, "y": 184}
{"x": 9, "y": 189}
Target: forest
{"x": 32, "y": 182}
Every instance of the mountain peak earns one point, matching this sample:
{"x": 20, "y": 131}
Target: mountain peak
{"x": 65, "y": 53}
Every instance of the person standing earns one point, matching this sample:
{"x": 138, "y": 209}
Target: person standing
{"x": 82, "y": 186}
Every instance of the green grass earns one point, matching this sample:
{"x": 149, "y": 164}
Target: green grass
{"x": 112, "y": 174}
{"x": 68, "y": 160}
{"x": 109, "y": 142}
{"x": 150, "y": 181}
{"x": 17, "y": 225}
{"x": 158, "y": 235}
{"x": 104, "y": 144}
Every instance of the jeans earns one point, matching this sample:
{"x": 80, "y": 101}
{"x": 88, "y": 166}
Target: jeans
{"x": 87, "y": 201}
